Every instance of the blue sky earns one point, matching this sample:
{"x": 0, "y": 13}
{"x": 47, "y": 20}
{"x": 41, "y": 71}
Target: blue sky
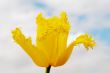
{"x": 85, "y": 16}
{"x": 102, "y": 34}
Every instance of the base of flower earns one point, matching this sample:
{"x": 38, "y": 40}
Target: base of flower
{"x": 48, "y": 69}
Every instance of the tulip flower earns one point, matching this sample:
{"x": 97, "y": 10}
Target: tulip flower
{"x": 51, "y": 47}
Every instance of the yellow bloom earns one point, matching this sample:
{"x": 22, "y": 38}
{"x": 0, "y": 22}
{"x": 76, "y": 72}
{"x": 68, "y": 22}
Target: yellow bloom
{"x": 51, "y": 41}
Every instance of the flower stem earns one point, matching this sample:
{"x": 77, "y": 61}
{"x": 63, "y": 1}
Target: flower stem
{"x": 48, "y": 69}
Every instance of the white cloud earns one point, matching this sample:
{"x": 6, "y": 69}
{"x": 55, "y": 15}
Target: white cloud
{"x": 94, "y": 10}
{"x": 79, "y": 6}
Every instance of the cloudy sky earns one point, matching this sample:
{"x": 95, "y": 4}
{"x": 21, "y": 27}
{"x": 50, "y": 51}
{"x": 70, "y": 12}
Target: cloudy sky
{"x": 85, "y": 16}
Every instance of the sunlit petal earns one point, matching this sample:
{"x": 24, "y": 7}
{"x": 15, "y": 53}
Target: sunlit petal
{"x": 52, "y": 35}
{"x": 85, "y": 39}
{"x": 38, "y": 56}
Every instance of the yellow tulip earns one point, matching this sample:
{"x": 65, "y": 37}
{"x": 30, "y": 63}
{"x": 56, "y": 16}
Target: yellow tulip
{"x": 51, "y": 41}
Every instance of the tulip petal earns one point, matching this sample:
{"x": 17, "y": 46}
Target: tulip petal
{"x": 64, "y": 56}
{"x": 85, "y": 39}
{"x": 48, "y": 44}
{"x": 52, "y": 35}
{"x": 37, "y": 55}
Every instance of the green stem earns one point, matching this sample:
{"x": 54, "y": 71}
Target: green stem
{"x": 48, "y": 69}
